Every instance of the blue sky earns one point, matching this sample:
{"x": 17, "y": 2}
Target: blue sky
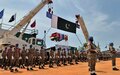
{"x": 101, "y": 18}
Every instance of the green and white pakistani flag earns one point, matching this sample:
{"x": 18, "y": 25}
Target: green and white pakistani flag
{"x": 62, "y": 24}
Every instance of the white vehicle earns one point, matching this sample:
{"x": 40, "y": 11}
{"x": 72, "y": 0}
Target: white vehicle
{"x": 7, "y": 37}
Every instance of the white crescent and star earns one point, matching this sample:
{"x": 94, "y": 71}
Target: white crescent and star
{"x": 67, "y": 26}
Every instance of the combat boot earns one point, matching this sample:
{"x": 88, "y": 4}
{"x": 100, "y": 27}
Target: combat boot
{"x": 31, "y": 68}
{"x": 11, "y": 70}
{"x": 93, "y": 74}
{"x": 28, "y": 69}
{"x": 42, "y": 67}
{"x": 16, "y": 70}
{"x": 23, "y": 67}
{"x": 5, "y": 68}
{"x": 115, "y": 69}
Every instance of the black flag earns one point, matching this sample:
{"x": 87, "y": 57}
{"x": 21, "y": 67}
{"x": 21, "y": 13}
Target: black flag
{"x": 62, "y": 24}
{"x": 13, "y": 17}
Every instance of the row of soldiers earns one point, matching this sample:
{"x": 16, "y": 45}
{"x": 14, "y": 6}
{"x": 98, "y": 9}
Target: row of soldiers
{"x": 13, "y": 57}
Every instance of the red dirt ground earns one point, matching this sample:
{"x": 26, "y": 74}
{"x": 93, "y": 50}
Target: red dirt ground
{"x": 102, "y": 68}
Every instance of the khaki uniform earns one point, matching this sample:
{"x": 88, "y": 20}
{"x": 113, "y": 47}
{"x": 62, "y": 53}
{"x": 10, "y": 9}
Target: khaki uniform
{"x": 4, "y": 59}
{"x": 1, "y": 58}
{"x": 76, "y": 56}
{"x": 70, "y": 57}
{"x": 63, "y": 57}
{"x": 113, "y": 54}
{"x": 92, "y": 56}
{"x": 16, "y": 57}
{"x": 51, "y": 58}
{"x": 10, "y": 57}
{"x": 42, "y": 58}
{"x": 30, "y": 57}
{"x": 57, "y": 57}
{"x": 23, "y": 55}
{"x": 36, "y": 62}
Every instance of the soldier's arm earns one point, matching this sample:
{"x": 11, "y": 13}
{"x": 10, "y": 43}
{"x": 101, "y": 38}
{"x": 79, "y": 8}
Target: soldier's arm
{"x": 88, "y": 47}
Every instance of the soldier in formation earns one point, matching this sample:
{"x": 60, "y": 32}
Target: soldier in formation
{"x": 23, "y": 55}
{"x": 42, "y": 58}
{"x": 30, "y": 55}
{"x": 63, "y": 54}
{"x": 76, "y": 56}
{"x": 70, "y": 57}
{"x": 51, "y": 59}
{"x": 10, "y": 58}
{"x": 57, "y": 57}
{"x": 13, "y": 57}
{"x": 3, "y": 59}
{"x": 113, "y": 53}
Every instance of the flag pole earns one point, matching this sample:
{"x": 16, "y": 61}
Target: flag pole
{"x": 79, "y": 39}
{"x": 48, "y": 30}
{"x": 44, "y": 38}
{"x": 1, "y": 23}
{"x": 15, "y": 18}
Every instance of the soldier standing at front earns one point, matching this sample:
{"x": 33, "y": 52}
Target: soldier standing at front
{"x": 92, "y": 55}
{"x": 113, "y": 53}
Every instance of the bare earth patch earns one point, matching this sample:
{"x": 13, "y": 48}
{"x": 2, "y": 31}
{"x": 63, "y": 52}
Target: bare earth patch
{"x": 102, "y": 68}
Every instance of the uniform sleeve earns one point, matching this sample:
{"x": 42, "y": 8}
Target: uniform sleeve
{"x": 88, "y": 46}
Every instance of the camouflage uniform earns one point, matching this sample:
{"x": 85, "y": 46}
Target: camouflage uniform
{"x": 63, "y": 57}
{"x": 23, "y": 55}
{"x": 4, "y": 59}
{"x": 10, "y": 57}
{"x": 16, "y": 57}
{"x": 92, "y": 56}
{"x": 42, "y": 58}
{"x": 51, "y": 58}
{"x": 36, "y": 61}
{"x": 34, "y": 57}
{"x": 113, "y": 53}
{"x": 70, "y": 57}
{"x": 1, "y": 58}
{"x": 84, "y": 57}
{"x": 30, "y": 58}
{"x": 76, "y": 56}
{"x": 57, "y": 56}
